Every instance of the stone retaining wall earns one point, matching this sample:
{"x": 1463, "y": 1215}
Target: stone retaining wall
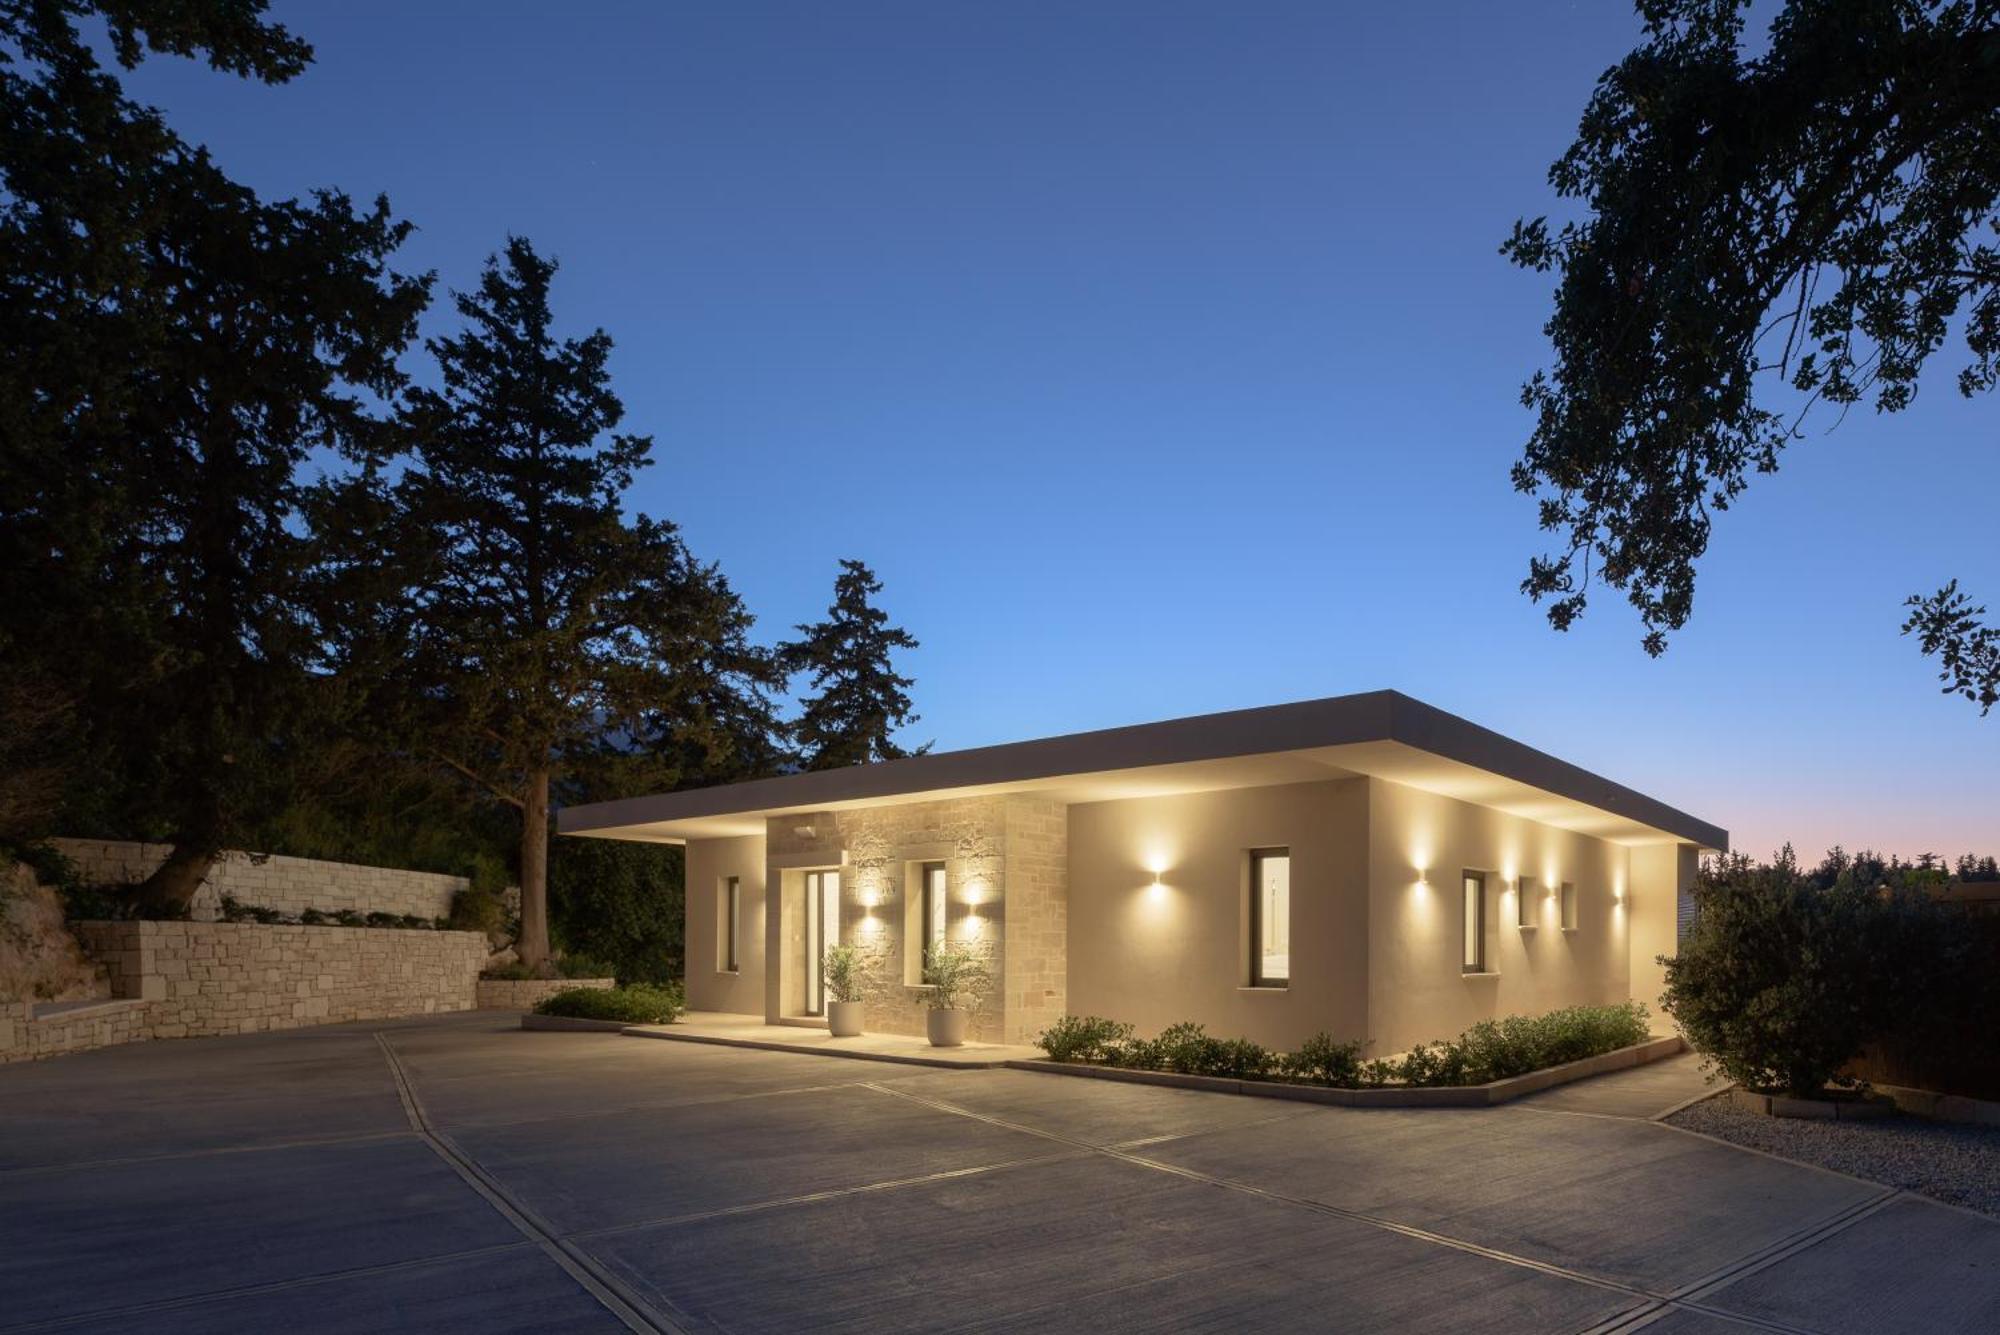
{"x": 523, "y": 994}
{"x": 25, "y": 1038}
{"x": 273, "y": 881}
{"x": 237, "y": 978}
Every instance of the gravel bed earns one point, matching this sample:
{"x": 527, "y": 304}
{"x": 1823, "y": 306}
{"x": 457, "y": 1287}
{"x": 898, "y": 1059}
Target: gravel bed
{"x": 1947, "y": 1161}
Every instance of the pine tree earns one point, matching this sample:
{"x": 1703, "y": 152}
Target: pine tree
{"x": 542, "y": 641}
{"x": 171, "y": 350}
{"x": 858, "y": 700}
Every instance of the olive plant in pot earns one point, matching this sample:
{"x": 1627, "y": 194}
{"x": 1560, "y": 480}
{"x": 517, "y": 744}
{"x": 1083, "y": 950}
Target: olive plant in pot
{"x": 957, "y": 977}
{"x": 846, "y": 972}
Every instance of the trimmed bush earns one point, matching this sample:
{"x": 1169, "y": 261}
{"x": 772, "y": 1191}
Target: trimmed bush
{"x": 1491, "y": 1050}
{"x": 1789, "y": 975}
{"x": 639, "y": 1004}
{"x": 1323, "y": 1060}
{"x": 1082, "y": 1038}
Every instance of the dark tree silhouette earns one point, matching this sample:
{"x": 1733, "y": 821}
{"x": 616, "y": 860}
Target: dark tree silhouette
{"x": 536, "y": 636}
{"x": 1763, "y": 234}
{"x": 171, "y": 349}
{"x": 858, "y": 699}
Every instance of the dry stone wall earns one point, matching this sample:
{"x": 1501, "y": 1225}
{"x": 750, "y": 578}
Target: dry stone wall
{"x": 524, "y": 994}
{"x": 289, "y": 885}
{"x": 237, "y": 978}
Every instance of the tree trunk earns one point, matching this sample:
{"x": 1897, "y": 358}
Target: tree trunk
{"x": 533, "y": 946}
{"x": 170, "y": 889}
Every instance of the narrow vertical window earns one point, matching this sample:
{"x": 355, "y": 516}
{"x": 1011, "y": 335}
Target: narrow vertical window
{"x": 731, "y": 919}
{"x": 1270, "y": 917}
{"x": 1568, "y": 907}
{"x": 1475, "y": 922}
{"x": 935, "y": 887}
{"x": 1524, "y": 902}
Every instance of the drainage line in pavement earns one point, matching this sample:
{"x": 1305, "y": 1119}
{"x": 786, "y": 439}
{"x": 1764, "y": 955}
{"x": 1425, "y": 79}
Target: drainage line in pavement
{"x": 608, "y": 1291}
{"x": 1321, "y": 1207}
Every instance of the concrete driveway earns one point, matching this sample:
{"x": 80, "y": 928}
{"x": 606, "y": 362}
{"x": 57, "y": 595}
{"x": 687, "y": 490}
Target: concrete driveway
{"x": 459, "y": 1174}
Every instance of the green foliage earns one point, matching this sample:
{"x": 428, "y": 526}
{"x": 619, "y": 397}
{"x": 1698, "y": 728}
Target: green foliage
{"x": 846, "y": 971}
{"x": 1323, "y": 1060}
{"x": 1491, "y": 1050}
{"x": 1785, "y": 978}
{"x": 858, "y": 700}
{"x": 478, "y": 909}
{"x": 1767, "y": 226}
{"x": 173, "y": 351}
{"x": 1082, "y": 1038}
{"x": 621, "y": 903}
{"x": 957, "y": 976}
{"x": 564, "y": 966}
{"x": 635, "y": 1004}
{"x": 527, "y": 621}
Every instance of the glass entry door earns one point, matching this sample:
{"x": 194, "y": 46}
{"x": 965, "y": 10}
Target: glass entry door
{"x": 822, "y": 930}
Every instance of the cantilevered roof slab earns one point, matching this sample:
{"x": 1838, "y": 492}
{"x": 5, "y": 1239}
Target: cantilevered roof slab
{"x": 1381, "y": 733}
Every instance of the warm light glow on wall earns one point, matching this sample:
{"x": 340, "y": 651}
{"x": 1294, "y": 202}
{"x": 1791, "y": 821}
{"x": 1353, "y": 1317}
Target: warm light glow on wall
{"x": 974, "y": 894}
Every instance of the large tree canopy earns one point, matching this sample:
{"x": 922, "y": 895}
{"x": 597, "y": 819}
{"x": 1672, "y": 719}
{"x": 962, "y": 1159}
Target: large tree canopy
{"x": 537, "y": 639}
{"x": 858, "y": 700}
{"x": 1764, "y": 233}
{"x": 172, "y": 347}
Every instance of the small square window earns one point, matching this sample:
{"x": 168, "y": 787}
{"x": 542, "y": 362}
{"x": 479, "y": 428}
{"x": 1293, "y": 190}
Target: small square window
{"x": 1568, "y": 907}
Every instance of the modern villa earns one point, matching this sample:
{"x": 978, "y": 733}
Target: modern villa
{"x": 1366, "y": 865}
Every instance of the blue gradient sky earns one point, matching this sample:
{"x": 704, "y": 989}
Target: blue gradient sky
{"x": 1157, "y": 356}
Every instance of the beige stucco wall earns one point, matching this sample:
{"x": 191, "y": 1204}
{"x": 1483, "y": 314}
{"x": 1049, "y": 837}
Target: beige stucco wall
{"x": 1154, "y": 955}
{"x": 710, "y": 862}
{"x": 1661, "y": 875}
{"x": 1420, "y": 845}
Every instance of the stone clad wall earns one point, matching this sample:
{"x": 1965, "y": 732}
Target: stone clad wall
{"x": 236, "y": 978}
{"x": 103, "y": 1025}
{"x": 273, "y": 881}
{"x": 1037, "y": 964}
{"x": 874, "y": 849}
{"x": 524, "y": 994}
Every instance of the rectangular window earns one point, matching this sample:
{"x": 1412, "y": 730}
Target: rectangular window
{"x": 1475, "y": 922}
{"x": 730, "y": 916}
{"x": 1270, "y": 917}
{"x": 1569, "y": 907}
{"x": 935, "y": 886}
{"x": 1524, "y": 902}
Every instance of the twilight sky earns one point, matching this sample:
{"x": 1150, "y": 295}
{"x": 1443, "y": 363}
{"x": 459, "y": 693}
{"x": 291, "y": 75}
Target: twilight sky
{"x": 1158, "y": 357}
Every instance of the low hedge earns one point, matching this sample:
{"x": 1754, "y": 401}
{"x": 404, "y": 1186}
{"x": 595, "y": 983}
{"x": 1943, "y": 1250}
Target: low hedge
{"x": 1491, "y": 1050}
{"x": 641, "y": 1003}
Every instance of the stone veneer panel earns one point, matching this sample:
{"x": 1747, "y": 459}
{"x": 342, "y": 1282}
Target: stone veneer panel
{"x": 1007, "y": 869}
{"x": 524, "y": 994}
{"x": 237, "y": 978}
{"x": 1037, "y": 956}
{"x": 274, "y": 881}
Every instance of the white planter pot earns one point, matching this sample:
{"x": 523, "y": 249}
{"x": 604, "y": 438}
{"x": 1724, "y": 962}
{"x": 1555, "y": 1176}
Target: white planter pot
{"x": 843, "y": 1018}
{"x": 947, "y": 1028}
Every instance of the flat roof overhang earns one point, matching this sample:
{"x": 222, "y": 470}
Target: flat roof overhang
{"x": 1384, "y": 734}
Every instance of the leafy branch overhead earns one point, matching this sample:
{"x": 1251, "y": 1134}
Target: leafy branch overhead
{"x": 1763, "y": 238}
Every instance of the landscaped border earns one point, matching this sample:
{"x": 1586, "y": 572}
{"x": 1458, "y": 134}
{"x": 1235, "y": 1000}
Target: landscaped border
{"x": 1396, "y": 1096}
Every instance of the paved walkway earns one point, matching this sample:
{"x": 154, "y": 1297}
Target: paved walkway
{"x": 460, "y": 1174}
{"x": 752, "y": 1031}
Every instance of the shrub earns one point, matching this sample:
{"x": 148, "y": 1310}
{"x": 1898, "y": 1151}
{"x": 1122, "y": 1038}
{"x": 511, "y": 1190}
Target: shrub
{"x": 957, "y": 976}
{"x": 641, "y": 1003}
{"x": 619, "y": 902}
{"x": 846, "y": 971}
{"x": 1789, "y": 975}
{"x": 1082, "y": 1038}
{"x": 480, "y": 909}
{"x": 1323, "y": 1060}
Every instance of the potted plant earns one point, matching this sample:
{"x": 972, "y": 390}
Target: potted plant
{"x": 956, "y": 975}
{"x": 846, "y": 983}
